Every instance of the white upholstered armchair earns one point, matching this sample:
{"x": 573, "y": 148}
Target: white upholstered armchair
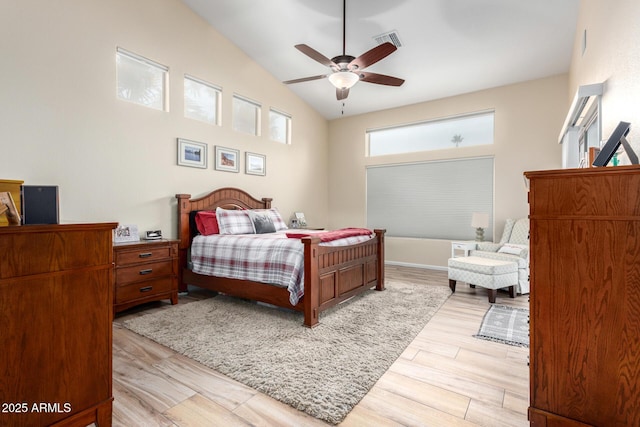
{"x": 513, "y": 246}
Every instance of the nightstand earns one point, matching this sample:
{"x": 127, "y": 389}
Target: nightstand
{"x": 145, "y": 271}
{"x": 466, "y": 246}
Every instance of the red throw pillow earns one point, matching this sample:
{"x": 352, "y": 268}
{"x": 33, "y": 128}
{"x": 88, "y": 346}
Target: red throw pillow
{"x": 207, "y": 223}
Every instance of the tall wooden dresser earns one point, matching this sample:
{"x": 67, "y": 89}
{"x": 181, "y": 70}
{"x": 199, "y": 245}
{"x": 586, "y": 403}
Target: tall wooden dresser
{"x": 56, "y": 284}
{"x": 585, "y": 297}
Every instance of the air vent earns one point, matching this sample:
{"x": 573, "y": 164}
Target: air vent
{"x": 391, "y": 36}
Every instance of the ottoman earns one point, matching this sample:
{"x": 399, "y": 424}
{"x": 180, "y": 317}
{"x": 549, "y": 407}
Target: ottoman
{"x": 491, "y": 274}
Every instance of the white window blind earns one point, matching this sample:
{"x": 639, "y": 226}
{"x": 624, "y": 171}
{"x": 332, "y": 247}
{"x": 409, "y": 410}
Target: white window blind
{"x": 432, "y": 199}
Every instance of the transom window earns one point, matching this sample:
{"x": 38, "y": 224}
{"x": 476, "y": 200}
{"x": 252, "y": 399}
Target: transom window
{"x": 246, "y": 115}
{"x": 454, "y": 132}
{"x": 279, "y": 126}
{"x": 141, "y": 80}
{"x": 201, "y": 100}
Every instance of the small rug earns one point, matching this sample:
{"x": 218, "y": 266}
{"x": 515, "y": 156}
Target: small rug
{"x": 507, "y": 325}
{"x": 324, "y": 371}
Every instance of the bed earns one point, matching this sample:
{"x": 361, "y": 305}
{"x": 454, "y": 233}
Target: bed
{"x": 332, "y": 274}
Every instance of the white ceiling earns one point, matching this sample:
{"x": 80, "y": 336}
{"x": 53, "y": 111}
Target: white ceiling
{"x": 449, "y": 47}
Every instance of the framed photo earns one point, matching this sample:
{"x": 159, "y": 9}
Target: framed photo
{"x": 126, "y": 233}
{"x": 255, "y": 164}
{"x": 227, "y": 159}
{"x": 8, "y": 207}
{"x": 192, "y": 153}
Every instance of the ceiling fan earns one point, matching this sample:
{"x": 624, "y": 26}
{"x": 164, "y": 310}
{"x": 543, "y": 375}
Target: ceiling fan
{"x": 347, "y": 70}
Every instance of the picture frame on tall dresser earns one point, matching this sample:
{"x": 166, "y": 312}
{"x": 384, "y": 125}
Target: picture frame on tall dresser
{"x": 10, "y": 209}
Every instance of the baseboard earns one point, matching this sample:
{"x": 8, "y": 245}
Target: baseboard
{"x": 424, "y": 266}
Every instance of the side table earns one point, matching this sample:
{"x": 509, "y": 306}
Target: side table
{"x": 465, "y": 246}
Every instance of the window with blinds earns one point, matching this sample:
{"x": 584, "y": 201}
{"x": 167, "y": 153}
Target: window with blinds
{"x": 432, "y": 200}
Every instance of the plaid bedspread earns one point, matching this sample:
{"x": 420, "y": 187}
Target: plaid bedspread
{"x": 267, "y": 258}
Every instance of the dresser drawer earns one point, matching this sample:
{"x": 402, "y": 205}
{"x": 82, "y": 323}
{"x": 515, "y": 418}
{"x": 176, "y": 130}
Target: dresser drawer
{"x": 142, "y": 255}
{"x": 143, "y": 272}
{"x": 144, "y": 289}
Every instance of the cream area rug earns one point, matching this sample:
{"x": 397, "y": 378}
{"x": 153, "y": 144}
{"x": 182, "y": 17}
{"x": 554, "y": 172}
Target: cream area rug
{"x": 324, "y": 371}
{"x": 507, "y": 325}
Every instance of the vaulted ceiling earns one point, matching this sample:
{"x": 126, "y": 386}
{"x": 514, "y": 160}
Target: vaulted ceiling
{"x": 448, "y": 47}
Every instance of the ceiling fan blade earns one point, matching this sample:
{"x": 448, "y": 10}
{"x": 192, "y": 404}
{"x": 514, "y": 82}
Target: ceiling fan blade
{"x": 315, "y": 55}
{"x": 342, "y": 93}
{"x": 306, "y": 79}
{"x": 380, "y": 79}
{"x": 372, "y": 56}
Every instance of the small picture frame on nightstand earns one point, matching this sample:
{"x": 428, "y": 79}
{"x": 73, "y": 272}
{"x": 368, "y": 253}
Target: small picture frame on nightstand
{"x": 126, "y": 233}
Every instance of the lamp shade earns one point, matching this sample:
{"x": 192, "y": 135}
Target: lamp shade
{"x": 480, "y": 220}
{"x": 343, "y": 79}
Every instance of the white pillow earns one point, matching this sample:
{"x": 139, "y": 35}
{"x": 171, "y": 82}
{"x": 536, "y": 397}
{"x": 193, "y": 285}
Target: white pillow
{"x": 512, "y": 248}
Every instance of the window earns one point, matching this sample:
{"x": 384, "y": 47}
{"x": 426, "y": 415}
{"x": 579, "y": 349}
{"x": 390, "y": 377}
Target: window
{"x": 433, "y": 200}
{"x": 141, "y": 80}
{"x": 201, "y": 100}
{"x": 279, "y": 127}
{"x": 463, "y": 131}
{"x": 246, "y": 115}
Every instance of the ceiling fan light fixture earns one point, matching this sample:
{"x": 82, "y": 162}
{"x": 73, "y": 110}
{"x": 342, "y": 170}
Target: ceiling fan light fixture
{"x": 344, "y": 79}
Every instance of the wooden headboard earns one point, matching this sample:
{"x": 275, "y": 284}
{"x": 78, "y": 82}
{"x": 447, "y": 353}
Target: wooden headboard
{"x": 226, "y": 198}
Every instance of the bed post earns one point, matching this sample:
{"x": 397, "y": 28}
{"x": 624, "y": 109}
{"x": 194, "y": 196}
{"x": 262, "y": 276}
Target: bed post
{"x": 380, "y": 260}
{"x": 311, "y": 299}
{"x": 184, "y": 236}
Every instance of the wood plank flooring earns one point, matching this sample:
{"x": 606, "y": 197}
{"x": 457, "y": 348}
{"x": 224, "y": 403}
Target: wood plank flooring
{"x": 444, "y": 378}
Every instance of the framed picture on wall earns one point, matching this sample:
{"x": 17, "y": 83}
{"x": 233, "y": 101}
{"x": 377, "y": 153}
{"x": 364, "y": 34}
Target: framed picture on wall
{"x": 255, "y": 164}
{"x": 227, "y": 159}
{"x": 192, "y": 153}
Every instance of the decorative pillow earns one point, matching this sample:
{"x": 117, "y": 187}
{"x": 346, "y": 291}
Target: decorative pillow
{"x": 276, "y": 218}
{"x": 231, "y": 221}
{"x": 512, "y": 248}
{"x": 262, "y": 222}
{"x": 207, "y": 223}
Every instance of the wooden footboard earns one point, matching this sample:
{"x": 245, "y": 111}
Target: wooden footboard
{"x": 332, "y": 274}
{"x": 336, "y": 273}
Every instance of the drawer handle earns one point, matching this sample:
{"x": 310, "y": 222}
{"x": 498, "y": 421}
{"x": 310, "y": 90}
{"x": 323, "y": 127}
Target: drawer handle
{"x": 147, "y": 271}
{"x": 145, "y": 255}
{"x": 146, "y": 289}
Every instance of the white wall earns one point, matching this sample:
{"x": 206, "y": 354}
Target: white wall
{"x": 528, "y": 117}
{"x": 62, "y": 124}
{"x": 612, "y": 56}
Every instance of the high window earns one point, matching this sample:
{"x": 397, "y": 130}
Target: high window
{"x": 201, "y": 100}
{"x": 453, "y": 132}
{"x": 142, "y": 80}
{"x": 279, "y": 126}
{"x": 246, "y": 115}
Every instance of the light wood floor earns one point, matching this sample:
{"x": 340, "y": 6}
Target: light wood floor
{"x": 444, "y": 378}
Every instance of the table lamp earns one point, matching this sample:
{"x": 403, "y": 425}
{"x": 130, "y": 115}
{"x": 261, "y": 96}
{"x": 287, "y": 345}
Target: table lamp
{"x": 480, "y": 221}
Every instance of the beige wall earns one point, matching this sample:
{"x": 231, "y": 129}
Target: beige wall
{"x": 61, "y": 123}
{"x": 528, "y": 117}
{"x": 612, "y": 56}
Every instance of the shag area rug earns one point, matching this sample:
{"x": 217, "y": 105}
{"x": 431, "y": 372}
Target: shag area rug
{"x": 324, "y": 371}
{"x": 507, "y": 325}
